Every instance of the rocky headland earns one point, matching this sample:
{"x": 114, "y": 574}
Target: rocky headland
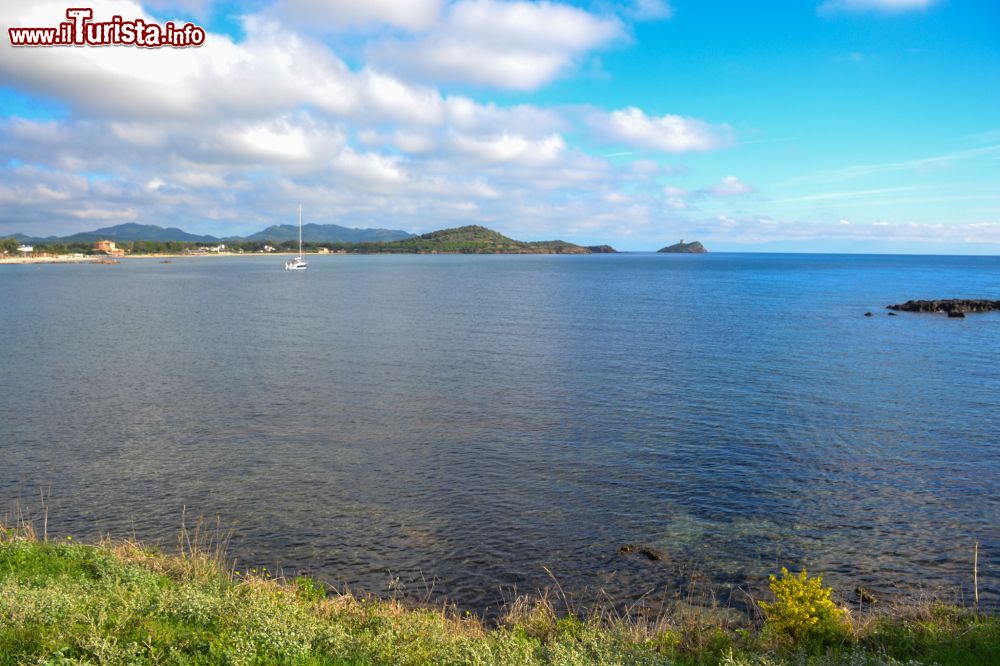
{"x": 953, "y": 307}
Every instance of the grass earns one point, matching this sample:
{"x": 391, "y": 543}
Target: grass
{"x": 119, "y": 602}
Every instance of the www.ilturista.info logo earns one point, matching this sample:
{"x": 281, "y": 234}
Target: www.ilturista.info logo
{"x": 80, "y": 30}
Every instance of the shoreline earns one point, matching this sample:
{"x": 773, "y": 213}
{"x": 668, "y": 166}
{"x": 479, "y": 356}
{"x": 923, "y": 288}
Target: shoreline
{"x": 126, "y": 602}
{"x": 17, "y": 261}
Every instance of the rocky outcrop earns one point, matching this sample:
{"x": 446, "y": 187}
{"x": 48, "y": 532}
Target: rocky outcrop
{"x": 601, "y": 249}
{"x": 649, "y": 552}
{"x": 685, "y": 248}
{"x": 955, "y": 307}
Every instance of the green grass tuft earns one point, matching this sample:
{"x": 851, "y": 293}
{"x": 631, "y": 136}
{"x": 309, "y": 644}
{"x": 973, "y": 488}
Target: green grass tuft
{"x": 121, "y": 603}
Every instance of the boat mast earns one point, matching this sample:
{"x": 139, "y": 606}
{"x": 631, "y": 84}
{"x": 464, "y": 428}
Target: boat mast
{"x": 300, "y": 230}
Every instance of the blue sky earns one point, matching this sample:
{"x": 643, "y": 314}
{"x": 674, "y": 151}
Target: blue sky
{"x": 836, "y": 125}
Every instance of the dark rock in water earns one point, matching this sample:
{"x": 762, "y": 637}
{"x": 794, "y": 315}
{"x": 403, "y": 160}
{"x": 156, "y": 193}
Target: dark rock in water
{"x": 649, "y": 552}
{"x": 949, "y": 305}
{"x": 956, "y": 314}
{"x": 865, "y": 595}
{"x": 602, "y": 249}
{"x": 868, "y": 314}
{"x": 687, "y": 248}
{"x": 892, "y": 314}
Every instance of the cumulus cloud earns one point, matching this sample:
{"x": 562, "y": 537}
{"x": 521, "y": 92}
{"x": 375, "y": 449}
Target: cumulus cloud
{"x": 509, "y": 148}
{"x": 887, "y": 6}
{"x": 668, "y": 133}
{"x": 226, "y": 138}
{"x": 508, "y": 45}
{"x": 270, "y": 71}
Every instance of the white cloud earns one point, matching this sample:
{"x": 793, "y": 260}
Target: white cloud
{"x": 730, "y": 186}
{"x": 341, "y": 14}
{"x": 272, "y": 70}
{"x": 667, "y": 133}
{"x": 414, "y": 143}
{"x": 508, "y": 45}
{"x": 392, "y": 98}
{"x": 508, "y": 148}
{"x": 274, "y": 140}
{"x": 370, "y": 168}
{"x": 888, "y": 6}
{"x": 467, "y": 115}
{"x": 225, "y": 138}
{"x": 649, "y": 10}
{"x": 676, "y": 198}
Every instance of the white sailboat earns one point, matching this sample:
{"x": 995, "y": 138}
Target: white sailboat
{"x": 298, "y": 263}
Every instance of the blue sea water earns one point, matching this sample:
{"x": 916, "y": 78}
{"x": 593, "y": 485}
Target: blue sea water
{"x": 459, "y": 424}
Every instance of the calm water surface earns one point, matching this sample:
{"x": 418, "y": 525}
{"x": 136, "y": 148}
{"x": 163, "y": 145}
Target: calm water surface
{"x": 470, "y": 420}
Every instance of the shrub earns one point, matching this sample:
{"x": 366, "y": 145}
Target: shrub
{"x": 309, "y": 589}
{"x": 802, "y": 610}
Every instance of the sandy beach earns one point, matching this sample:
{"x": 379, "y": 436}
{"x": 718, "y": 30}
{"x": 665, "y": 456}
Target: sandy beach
{"x": 58, "y": 260}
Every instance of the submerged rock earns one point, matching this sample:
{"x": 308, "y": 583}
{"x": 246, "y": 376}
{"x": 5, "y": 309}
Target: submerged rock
{"x": 956, "y": 314}
{"x": 865, "y": 595}
{"x": 893, "y": 314}
{"x": 949, "y": 305}
{"x": 649, "y": 552}
{"x": 868, "y": 314}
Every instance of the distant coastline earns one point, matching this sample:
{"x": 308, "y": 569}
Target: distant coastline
{"x": 470, "y": 239}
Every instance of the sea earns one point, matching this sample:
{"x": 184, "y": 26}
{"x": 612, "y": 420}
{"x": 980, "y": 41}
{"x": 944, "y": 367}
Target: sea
{"x": 465, "y": 429}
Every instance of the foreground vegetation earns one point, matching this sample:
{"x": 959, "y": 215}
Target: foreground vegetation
{"x": 122, "y": 603}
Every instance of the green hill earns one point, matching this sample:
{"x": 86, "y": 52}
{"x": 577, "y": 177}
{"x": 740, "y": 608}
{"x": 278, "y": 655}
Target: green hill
{"x": 472, "y": 239}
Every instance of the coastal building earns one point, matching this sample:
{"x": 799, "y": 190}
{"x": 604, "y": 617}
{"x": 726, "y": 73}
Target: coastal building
{"x": 109, "y": 248}
{"x": 25, "y": 249}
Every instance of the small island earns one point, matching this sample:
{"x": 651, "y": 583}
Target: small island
{"x": 685, "y": 248}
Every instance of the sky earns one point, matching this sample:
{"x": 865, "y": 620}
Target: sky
{"x": 809, "y": 125}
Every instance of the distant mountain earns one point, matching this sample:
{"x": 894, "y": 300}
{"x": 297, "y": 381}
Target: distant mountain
{"x": 685, "y": 248}
{"x": 326, "y": 233}
{"x": 315, "y": 233}
{"x": 135, "y": 232}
